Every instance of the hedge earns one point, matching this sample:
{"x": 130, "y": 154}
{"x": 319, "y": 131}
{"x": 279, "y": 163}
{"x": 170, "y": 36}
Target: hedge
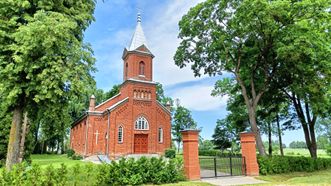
{"x": 141, "y": 171}
{"x": 216, "y": 153}
{"x": 170, "y": 153}
{"x": 123, "y": 172}
{"x": 285, "y": 164}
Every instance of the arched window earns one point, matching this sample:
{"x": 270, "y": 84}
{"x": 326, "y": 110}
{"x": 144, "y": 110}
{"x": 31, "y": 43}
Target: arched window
{"x": 141, "y": 68}
{"x": 126, "y": 70}
{"x": 160, "y": 135}
{"x": 141, "y": 124}
{"x": 120, "y": 134}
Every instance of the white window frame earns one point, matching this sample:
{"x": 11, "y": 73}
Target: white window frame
{"x": 141, "y": 123}
{"x": 120, "y": 132}
{"x": 160, "y": 135}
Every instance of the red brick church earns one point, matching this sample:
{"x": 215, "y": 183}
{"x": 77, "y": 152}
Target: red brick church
{"x": 131, "y": 122}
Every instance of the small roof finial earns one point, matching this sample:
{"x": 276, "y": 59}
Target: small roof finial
{"x": 139, "y": 17}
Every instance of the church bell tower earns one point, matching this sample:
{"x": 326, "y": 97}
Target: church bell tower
{"x": 137, "y": 58}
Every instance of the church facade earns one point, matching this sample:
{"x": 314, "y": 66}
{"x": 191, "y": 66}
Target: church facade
{"x": 131, "y": 122}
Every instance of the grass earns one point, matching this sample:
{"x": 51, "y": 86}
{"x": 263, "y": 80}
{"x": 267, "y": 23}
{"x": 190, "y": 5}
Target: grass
{"x": 56, "y": 160}
{"x": 321, "y": 153}
{"x": 299, "y": 178}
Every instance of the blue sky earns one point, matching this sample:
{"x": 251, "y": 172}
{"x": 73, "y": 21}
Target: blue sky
{"x": 112, "y": 31}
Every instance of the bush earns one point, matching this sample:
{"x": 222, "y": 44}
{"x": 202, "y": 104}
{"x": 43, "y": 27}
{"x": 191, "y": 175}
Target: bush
{"x": 170, "y": 153}
{"x": 141, "y": 171}
{"x": 285, "y": 164}
{"x": 22, "y": 174}
{"x": 328, "y": 150}
{"x": 76, "y": 157}
{"x": 70, "y": 153}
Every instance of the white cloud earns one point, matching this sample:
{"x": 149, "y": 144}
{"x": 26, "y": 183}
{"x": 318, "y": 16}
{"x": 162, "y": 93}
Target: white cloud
{"x": 198, "y": 98}
{"x": 161, "y": 33}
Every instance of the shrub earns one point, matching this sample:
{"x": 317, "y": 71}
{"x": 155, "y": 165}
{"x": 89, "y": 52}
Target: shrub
{"x": 285, "y": 164}
{"x": 70, "y": 153}
{"x": 21, "y": 174}
{"x": 141, "y": 171}
{"x": 328, "y": 150}
{"x": 76, "y": 157}
{"x": 170, "y": 153}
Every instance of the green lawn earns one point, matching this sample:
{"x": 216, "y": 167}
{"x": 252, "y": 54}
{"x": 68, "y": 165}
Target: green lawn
{"x": 299, "y": 178}
{"x": 321, "y": 153}
{"x": 56, "y": 160}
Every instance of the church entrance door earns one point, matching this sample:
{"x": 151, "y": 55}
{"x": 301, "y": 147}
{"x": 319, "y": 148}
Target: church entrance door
{"x": 140, "y": 143}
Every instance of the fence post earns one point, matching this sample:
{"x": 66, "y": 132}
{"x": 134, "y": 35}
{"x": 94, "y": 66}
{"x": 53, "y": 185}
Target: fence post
{"x": 215, "y": 167}
{"x": 230, "y": 165}
{"x": 191, "y": 154}
{"x": 248, "y": 150}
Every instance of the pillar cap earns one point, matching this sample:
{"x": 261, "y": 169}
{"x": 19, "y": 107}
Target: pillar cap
{"x": 190, "y": 130}
{"x": 247, "y": 134}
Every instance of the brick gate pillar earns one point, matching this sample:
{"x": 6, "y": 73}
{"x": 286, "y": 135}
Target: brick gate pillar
{"x": 191, "y": 154}
{"x": 248, "y": 150}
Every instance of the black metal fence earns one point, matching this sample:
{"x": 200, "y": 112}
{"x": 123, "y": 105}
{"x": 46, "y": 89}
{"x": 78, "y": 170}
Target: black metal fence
{"x": 222, "y": 166}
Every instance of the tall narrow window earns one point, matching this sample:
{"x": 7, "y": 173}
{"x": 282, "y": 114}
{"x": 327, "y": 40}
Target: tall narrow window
{"x": 160, "y": 135}
{"x": 141, "y": 68}
{"x": 126, "y": 70}
{"x": 120, "y": 134}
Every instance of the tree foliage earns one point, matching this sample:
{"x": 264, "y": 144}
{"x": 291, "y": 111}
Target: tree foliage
{"x": 43, "y": 58}
{"x": 256, "y": 41}
{"x": 182, "y": 119}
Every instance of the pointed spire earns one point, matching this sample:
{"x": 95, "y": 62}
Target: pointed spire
{"x": 138, "y": 38}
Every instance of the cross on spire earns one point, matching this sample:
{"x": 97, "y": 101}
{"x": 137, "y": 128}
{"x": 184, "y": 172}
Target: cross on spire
{"x": 138, "y": 38}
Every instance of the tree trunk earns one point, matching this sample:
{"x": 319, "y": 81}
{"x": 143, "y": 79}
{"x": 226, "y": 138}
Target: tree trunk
{"x": 280, "y": 137}
{"x": 251, "y": 104}
{"x": 178, "y": 145}
{"x": 308, "y": 125}
{"x": 24, "y": 132}
{"x": 13, "y": 151}
{"x": 256, "y": 131}
{"x": 269, "y": 139}
{"x": 63, "y": 145}
{"x": 313, "y": 146}
{"x": 36, "y": 142}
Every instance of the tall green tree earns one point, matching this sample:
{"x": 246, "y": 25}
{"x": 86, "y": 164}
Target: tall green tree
{"x": 162, "y": 98}
{"x": 305, "y": 78}
{"x": 42, "y": 57}
{"x": 224, "y": 135}
{"x": 249, "y": 39}
{"x": 182, "y": 119}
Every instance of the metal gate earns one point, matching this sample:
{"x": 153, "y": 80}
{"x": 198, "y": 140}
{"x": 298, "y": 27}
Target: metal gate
{"x": 222, "y": 166}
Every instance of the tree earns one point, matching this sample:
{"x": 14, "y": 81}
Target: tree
{"x": 223, "y": 135}
{"x": 324, "y": 127}
{"x": 160, "y": 96}
{"x": 298, "y": 145}
{"x": 305, "y": 78}
{"x": 4, "y": 132}
{"x": 250, "y": 39}
{"x": 182, "y": 120}
{"x": 42, "y": 57}
{"x": 113, "y": 92}
{"x": 206, "y": 145}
